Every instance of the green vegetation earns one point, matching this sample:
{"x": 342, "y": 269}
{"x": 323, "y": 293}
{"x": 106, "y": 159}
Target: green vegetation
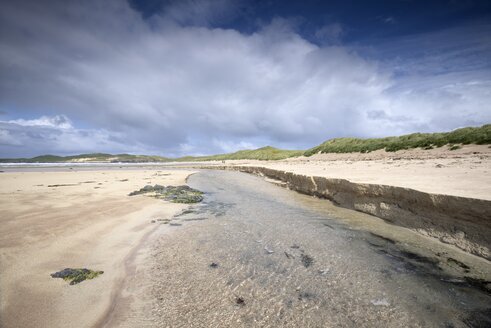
{"x": 480, "y": 136}
{"x": 264, "y": 153}
{"x": 176, "y": 194}
{"x": 75, "y": 276}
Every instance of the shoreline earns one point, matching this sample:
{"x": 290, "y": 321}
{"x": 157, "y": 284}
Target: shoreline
{"x": 86, "y": 220}
{"x": 110, "y": 313}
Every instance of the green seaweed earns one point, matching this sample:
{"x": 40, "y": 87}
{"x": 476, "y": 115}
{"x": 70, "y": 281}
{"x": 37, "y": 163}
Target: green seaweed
{"x": 75, "y": 276}
{"x": 175, "y": 194}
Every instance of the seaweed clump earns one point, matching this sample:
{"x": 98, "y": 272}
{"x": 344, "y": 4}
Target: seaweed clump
{"x": 75, "y": 276}
{"x": 176, "y": 194}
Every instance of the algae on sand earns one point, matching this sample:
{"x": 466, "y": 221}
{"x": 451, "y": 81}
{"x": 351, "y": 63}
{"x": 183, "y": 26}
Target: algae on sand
{"x": 75, "y": 276}
{"x": 176, "y": 194}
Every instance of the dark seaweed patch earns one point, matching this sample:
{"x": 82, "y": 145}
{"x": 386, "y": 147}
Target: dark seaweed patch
{"x": 75, "y": 276}
{"x": 63, "y": 185}
{"x": 306, "y": 296}
{"x": 307, "y": 260}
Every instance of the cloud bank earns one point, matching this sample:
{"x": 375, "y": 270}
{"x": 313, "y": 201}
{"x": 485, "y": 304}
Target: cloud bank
{"x": 96, "y": 76}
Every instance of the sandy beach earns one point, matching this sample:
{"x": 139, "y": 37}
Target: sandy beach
{"x": 69, "y": 217}
{"x": 78, "y": 219}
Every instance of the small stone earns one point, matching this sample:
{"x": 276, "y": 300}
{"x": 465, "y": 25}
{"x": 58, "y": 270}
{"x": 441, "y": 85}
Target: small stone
{"x": 214, "y": 265}
{"x": 240, "y": 301}
{"x": 380, "y": 302}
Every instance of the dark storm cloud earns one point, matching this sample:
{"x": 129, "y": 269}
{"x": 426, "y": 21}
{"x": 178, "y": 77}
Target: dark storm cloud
{"x": 100, "y": 76}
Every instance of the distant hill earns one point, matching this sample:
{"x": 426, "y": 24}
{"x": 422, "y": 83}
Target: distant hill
{"x": 264, "y": 153}
{"x": 479, "y": 136}
{"x": 88, "y": 158}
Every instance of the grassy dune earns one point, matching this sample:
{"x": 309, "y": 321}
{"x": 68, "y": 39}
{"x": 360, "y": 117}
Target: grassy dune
{"x": 480, "y": 136}
{"x": 264, "y": 153}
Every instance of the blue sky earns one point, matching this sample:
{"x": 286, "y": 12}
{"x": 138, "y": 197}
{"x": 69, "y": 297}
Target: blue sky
{"x": 198, "y": 77}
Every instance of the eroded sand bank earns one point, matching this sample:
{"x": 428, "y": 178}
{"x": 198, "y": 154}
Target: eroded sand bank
{"x": 53, "y": 220}
{"x": 464, "y": 172}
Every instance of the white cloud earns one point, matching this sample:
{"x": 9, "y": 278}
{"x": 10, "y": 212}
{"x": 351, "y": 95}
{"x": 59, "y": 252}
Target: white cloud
{"x": 174, "y": 88}
{"x": 58, "y": 121}
{"x": 6, "y": 139}
{"x": 47, "y": 134}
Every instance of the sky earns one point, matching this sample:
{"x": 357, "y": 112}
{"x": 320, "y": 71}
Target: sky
{"x": 189, "y": 77}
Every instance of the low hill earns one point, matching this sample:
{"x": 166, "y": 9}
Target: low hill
{"x": 264, "y": 153}
{"x": 88, "y": 158}
{"x": 480, "y": 136}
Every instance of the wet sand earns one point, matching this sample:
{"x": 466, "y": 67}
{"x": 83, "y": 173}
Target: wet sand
{"x": 53, "y": 220}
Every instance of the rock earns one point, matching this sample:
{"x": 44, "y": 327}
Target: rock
{"x": 240, "y": 301}
{"x": 214, "y": 265}
{"x": 176, "y": 194}
{"x": 380, "y": 302}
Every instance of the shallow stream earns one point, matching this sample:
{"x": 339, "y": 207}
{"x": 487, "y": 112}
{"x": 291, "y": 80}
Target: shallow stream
{"x": 257, "y": 255}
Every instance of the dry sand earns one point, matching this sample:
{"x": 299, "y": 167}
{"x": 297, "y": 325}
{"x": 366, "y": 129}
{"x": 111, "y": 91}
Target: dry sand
{"x": 89, "y": 222}
{"x": 464, "y": 172}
